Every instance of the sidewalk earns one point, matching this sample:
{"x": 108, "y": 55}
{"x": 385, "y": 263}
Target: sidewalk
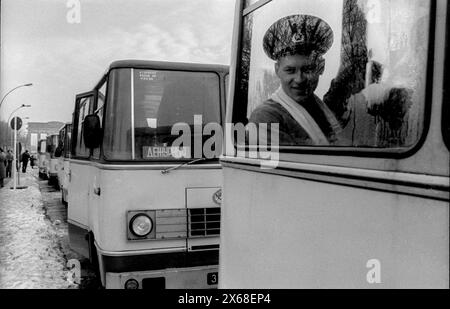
{"x": 30, "y": 250}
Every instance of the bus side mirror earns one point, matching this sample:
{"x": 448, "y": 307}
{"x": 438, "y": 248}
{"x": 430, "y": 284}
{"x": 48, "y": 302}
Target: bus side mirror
{"x": 92, "y": 131}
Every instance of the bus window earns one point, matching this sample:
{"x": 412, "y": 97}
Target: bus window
{"x": 61, "y": 139}
{"x": 249, "y": 3}
{"x": 67, "y": 141}
{"x": 160, "y": 100}
{"x": 369, "y": 78}
{"x": 101, "y": 101}
{"x": 99, "y": 111}
{"x": 446, "y": 105}
{"x": 85, "y": 109}
{"x": 117, "y": 135}
{"x": 227, "y": 84}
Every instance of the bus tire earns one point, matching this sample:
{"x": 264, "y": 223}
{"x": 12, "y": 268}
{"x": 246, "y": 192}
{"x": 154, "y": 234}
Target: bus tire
{"x": 93, "y": 256}
{"x": 63, "y": 200}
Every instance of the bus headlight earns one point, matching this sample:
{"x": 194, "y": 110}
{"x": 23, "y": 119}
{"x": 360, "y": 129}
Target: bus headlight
{"x": 141, "y": 225}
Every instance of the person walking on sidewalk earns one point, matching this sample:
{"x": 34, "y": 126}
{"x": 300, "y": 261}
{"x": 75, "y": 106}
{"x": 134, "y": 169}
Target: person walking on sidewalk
{"x": 25, "y": 159}
{"x": 9, "y": 159}
{"x": 32, "y": 161}
{"x": 2, "y": 167}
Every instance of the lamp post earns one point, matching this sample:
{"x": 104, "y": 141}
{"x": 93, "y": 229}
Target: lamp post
{"x": 15, "y": 145}
{"x": 4, "y": 97}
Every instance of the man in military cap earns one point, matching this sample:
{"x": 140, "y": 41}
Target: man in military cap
{"x": 297, "y": 44}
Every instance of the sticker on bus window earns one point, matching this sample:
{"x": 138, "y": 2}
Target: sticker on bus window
{"x": 152, "y": 123}
{"x": 147, "y": 75}
{"x": 157, "y": 152}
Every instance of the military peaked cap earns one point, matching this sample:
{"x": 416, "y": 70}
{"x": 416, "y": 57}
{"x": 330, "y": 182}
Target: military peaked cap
{"x": 297, "y": 34}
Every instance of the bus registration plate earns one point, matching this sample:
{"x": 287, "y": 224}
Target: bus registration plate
{"x": 213, "y": 278}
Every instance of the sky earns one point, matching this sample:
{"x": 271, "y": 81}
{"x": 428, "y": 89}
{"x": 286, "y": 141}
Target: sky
{"x": 39, "y": 45}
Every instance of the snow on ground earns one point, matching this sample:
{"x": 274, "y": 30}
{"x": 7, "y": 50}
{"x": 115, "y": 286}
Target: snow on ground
{"x": 30, "y": 253}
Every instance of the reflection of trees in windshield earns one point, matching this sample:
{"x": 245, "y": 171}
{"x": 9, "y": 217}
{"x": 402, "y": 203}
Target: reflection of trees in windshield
{"x": 352, "y": 71}
{"x": 267, "y": 86}
{"x": 373, "y": 111}
{"x": 241, "y": 97}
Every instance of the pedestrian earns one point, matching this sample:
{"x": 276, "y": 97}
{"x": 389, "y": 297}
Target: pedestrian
{"x": 32, "y": 161}
{"x": 25, "y": 158}
{"x": 2, "y": 167}
{"x": 9, "y": 159}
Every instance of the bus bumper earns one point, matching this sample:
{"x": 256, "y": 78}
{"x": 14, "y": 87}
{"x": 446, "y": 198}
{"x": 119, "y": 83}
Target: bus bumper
{"x": 203, "y": 277}
{"x": 163, "y": 270}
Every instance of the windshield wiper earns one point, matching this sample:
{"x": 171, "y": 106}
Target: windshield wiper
{"x": 167, "y": 171}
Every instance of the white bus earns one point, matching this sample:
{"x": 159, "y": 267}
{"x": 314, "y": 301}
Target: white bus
{"x": 51, "y": 159}
{"x": 42, "y": 158}
{"x": 371, "y": 209}
{"x": 147, "y": 213}
{"x": 63, "y": 155}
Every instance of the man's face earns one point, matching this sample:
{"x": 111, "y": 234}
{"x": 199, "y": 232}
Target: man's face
{"x": 299, "y": 75}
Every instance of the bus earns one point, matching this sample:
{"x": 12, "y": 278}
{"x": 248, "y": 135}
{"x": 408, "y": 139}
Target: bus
{"x": 42, "y": 160}
{"x": 144, "y": 209}
{"x": 63, "y": 155}
{"x": 369, "y": 209}
{"x": 51, "y": 159}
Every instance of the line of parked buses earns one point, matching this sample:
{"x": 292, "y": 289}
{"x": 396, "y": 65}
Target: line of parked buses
{"x": 371, "y": 214}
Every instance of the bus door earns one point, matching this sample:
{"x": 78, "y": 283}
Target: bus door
{"x": 42, "y": 162}
{"x": 65, "y": 172}
{"x": 81, "y": 177}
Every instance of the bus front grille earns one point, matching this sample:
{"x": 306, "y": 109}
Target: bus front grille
{"x": 204, "y": 222}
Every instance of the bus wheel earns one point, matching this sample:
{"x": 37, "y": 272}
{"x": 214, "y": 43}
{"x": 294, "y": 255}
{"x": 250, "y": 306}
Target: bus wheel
{"x": 93, "y": 256}
{"x": 63, "y": 200}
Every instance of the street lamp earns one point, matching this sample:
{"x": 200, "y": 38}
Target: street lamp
{"x": 24, "y": 85}
{"x": 4, "y": 97}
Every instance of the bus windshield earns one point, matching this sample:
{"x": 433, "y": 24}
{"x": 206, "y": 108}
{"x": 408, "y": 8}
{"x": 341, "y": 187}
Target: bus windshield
{"x": 143, "y": 105}
{"x": 52, "y": 143}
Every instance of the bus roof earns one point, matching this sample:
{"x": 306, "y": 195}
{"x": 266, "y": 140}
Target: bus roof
{"x": 164, "y": 65}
